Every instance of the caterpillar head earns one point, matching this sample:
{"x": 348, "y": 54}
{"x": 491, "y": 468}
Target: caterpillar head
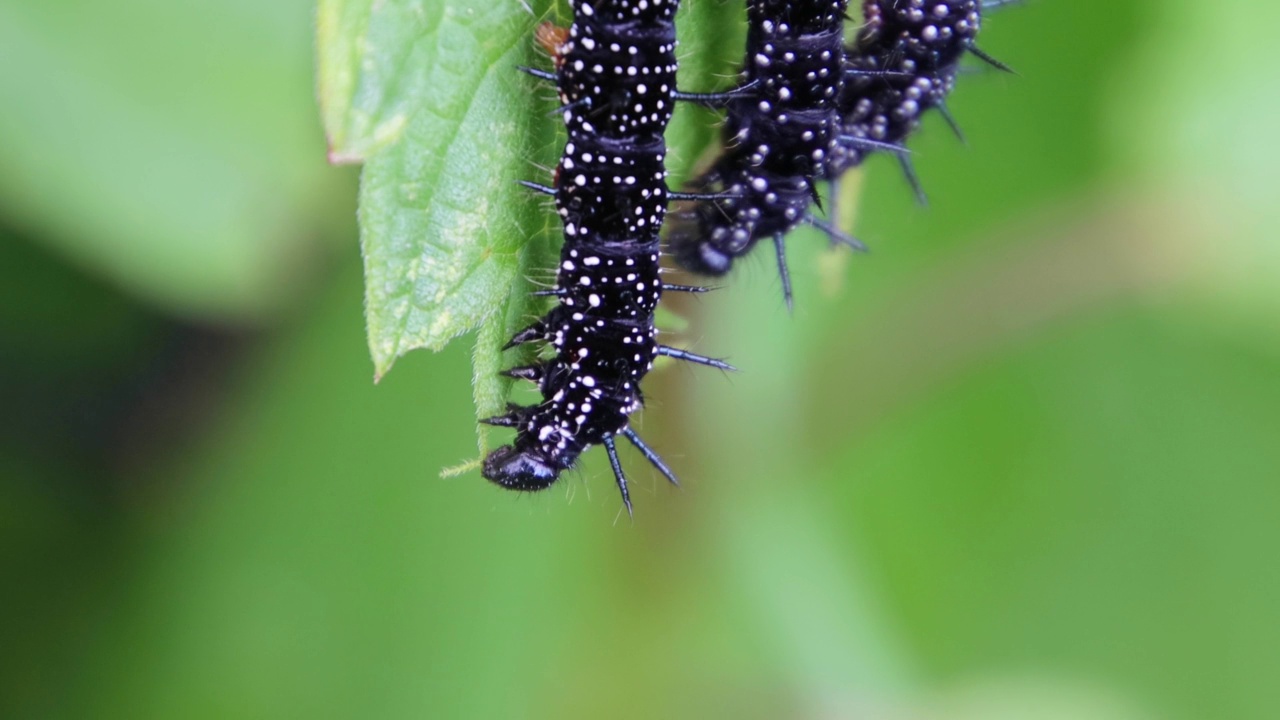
{"x": 519, "y": 469}
{"x": 701, "y": 257}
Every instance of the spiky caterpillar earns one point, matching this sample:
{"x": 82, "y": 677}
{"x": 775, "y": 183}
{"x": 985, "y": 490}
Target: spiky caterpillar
{"x": 903, "y": 64}
{"x": 908, "y": 53}
{"x": 778, "y": 140}
{"x": 615, "y": 71}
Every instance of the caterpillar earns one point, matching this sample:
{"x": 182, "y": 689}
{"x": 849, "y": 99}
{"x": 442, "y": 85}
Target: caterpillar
{"x": 777, "y": 141}
{"x": 616, "y": 76}
{"x": 823, "y": 107}
{"x": 908, "y": 52}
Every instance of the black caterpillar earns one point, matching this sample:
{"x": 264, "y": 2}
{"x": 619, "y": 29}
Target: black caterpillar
{"x": 616, "y": 73}
{"x": 777, "y": 141}
{"x": 822, "y": 108}
{"x": 907, "y": 55}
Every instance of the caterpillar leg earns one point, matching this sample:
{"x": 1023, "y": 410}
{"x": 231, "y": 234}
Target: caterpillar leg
{"x": 536, "y": 331}
{"x": 514, "y": 416}
{"x": 532, "y": 373}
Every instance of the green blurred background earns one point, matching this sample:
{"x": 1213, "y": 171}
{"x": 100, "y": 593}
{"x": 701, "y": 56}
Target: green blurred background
{"x": 1018, "y": 462}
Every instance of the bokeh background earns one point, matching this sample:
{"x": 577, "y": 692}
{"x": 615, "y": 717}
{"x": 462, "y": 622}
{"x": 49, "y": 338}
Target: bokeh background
{"x": 1020, "y": 461}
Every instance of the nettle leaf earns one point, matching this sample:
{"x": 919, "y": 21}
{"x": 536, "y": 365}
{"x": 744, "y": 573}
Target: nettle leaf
{"x": 427, "y": 95}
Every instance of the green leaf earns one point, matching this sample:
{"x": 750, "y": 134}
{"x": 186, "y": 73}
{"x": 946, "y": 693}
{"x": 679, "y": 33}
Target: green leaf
{"x": 426, "y": 94}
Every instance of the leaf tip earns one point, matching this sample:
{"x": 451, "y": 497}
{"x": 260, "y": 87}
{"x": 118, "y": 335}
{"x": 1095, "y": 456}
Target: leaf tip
{"x": 382, "y": 366}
